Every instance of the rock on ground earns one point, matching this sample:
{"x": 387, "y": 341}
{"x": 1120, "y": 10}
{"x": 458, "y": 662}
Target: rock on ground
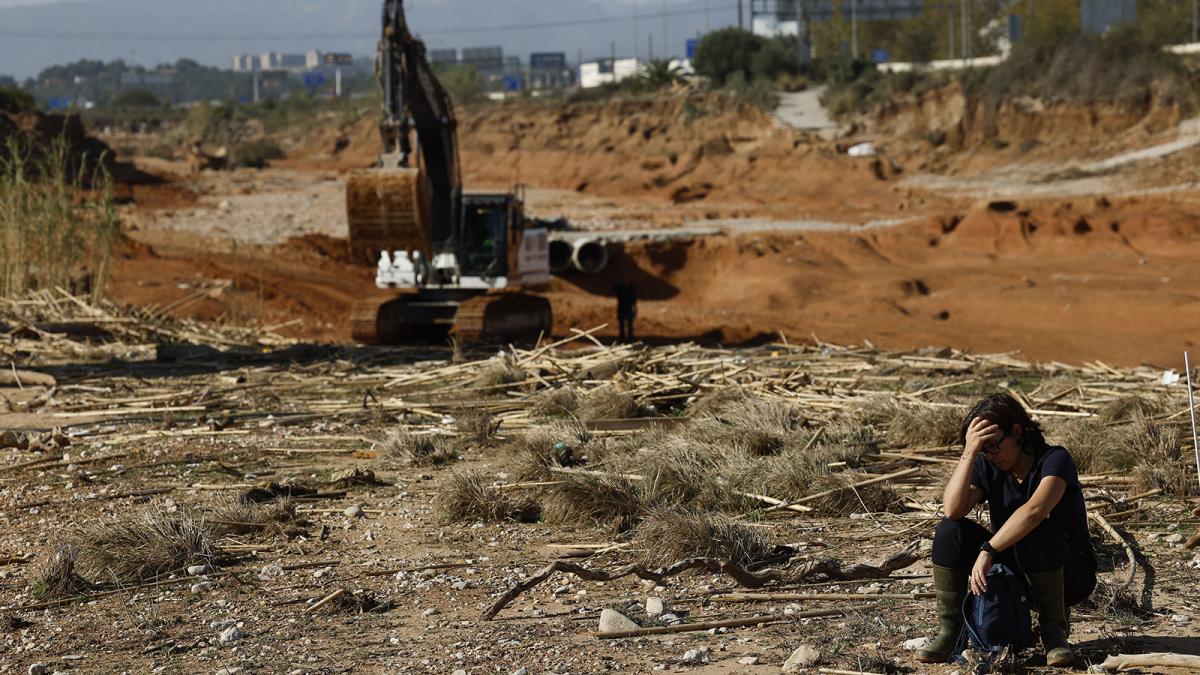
{"x": 805, "y": 656}
{"x": 612, "y": 621}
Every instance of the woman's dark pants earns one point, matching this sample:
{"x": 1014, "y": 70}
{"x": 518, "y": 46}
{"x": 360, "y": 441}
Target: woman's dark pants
{"x": 956, "y": 544}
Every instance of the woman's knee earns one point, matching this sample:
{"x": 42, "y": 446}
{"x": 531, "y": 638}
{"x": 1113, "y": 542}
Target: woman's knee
{"x": 954, "y": 541}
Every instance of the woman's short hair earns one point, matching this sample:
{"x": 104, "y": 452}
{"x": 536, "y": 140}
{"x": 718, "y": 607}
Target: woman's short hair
{"x": 1004, "y": 411}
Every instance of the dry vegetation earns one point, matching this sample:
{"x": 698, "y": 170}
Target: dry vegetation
{"x": 759, "y": 478}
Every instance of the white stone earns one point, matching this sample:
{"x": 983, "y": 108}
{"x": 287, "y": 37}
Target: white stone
{"x": 354, "y": 512}
{"x": 231, "y": 635}
{"x": 430, "y": 612}
{"x": 696, "y": 656}
{"x": 222, "y": 624}
{"x": 748, "y": 661}
{"x": 917, "y": 643}
{"x": 37, "y": 669}
{"x": 1180, "y": 619}
{"x": 461, "y": 585}
{"x": 805, "y": 656}
{"x": 203, "y": 586}
{"x": 271, "y": 571}
{"x": 196, "y": 570}
{"x": 612, "y": 621}
{"x": 521, "y": 671}
{"x": 460, "y": 671}
{"x": 670, "y": 618}
{"x": 1173, "y": 538}
{"x": 656, "y": 606}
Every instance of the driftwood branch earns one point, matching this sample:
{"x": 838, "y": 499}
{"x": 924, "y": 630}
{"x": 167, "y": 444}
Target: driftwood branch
{"x": 828, "y": 568}
{"x": 1155, "y": 659}
{"x": 1112, "y": 532}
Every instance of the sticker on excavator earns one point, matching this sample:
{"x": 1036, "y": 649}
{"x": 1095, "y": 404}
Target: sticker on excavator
{"x": 387, "y": 210}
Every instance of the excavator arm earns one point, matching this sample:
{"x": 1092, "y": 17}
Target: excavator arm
{"x": 414, "y": 100}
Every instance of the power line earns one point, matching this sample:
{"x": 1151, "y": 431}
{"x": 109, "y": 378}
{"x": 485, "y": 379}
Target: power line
{"x": 269, "y": 37}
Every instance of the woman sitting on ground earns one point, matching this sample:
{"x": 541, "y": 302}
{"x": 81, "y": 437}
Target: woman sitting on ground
{"x": 1039, "y": 525}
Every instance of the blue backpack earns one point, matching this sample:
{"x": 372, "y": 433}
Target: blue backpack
{"x": 1000, "y": 617}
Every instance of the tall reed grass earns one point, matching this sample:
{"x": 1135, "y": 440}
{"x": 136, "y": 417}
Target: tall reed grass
{"x": 58, "y": 219}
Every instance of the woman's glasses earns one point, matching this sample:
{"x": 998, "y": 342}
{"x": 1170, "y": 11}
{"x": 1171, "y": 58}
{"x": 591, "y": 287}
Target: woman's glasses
{"x": 994, "y": 448}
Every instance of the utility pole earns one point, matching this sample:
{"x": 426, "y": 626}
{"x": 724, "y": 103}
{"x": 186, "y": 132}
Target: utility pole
{"x": 666, "y": 49}
{"x": 741, "y": 26}
{"x": 256, "y": 85}
{"x": 966, "y": 48}
{"x": 854, "y": 28}
{"x": 802, "y": 34}
{"x": 950, "y": 31}
{"x": 707, "y": 24}
{"x": 636, "y": 38}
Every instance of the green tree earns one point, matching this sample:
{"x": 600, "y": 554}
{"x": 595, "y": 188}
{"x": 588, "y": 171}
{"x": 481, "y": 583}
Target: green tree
{"x": 136, "y": 98}
{"x": 14, "y": 100}
{"x": 658, "y": 74}
{"x": 725, "y": 52}
{"x": 463, "y": 83}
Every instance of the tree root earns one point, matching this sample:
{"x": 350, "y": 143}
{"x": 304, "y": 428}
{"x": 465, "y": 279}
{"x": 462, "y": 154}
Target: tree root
{"x": 828, "y": 568}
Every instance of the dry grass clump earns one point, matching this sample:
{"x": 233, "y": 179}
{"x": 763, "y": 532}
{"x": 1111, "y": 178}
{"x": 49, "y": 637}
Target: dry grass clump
{"x": 1094, "y": 447}
{"x": 749, "y": 424}
{"x": 845, "y": 500}
{"x": 1133, "y": 407}
{"x": 681, "y": 473}
{"x": 499, "y": 373}
{"x": 916, "y": 425}
{"x": 612, "y": 502}
{"x": 845, "y": 442}
{"x": 143, "y": 545}
{"x": 557, "y": 445}
{"x": 239, "y": 517}
{"x": 1161, "y": 462}
{"x": 557, "y": 402}
{"x": 55, "y": 576}
{"x": 608, "y": 403}
{"x": 469, "y": 497}
{"x": 673, "y": 534}
{"x": 417, "y": 449}
{"x": 477, "y": 425}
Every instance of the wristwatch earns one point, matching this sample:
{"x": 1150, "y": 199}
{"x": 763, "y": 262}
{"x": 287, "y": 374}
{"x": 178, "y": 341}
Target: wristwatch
{"x": 987, "y": 546}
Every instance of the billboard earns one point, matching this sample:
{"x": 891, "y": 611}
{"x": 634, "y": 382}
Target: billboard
{"x": 484, "y": 58}
{"x": 548, "y": 60}
{"x": 1097, "y": 16}
{"x": 823, "y": 10}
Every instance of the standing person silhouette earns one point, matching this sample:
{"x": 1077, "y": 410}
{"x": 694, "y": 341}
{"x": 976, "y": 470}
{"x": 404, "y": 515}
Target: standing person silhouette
{"x": 626, "y": 307}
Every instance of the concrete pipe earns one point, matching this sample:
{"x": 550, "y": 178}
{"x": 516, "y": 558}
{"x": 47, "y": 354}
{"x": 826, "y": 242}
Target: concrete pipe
{"x": 561, "y": 252}
{"x": 590, "y": 256}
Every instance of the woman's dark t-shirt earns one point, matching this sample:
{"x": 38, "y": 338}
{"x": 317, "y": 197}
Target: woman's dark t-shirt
{"x": 1004, "y": 496}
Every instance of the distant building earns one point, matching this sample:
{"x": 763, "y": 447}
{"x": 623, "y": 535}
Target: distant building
{"x": 549, "y": 70}
{"x": 606, "y": 71}
{"x": 276, "y": 61}
{"x": 1097, "y": 16}
{"x": 443, "y": 57}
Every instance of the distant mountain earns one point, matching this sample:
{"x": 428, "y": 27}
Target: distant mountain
{"x": 149, "y": 32}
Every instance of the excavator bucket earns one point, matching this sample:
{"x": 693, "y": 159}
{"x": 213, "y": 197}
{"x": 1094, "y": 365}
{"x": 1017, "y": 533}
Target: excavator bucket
{"x": 387, "y": 210}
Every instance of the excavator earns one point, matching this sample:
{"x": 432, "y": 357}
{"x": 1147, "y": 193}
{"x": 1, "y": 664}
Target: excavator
{"x": 448, "y": 263}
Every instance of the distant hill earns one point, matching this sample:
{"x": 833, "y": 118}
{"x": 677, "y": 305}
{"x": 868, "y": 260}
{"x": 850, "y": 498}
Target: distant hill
{"x": 149, "y": 32}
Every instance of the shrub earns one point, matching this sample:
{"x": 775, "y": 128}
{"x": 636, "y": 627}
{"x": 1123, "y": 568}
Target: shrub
{"x": 16, "y": 100}
{"x": 256, "y": 154}
{"x": 50, "y": 236}
{"x": 727, "y": 52}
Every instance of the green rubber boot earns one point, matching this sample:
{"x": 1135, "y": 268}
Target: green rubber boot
{"x": 951, "y": 587}
{"x": 1046, "y": 591}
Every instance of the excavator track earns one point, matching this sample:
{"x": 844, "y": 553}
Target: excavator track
{"x": 397, "y": 317}
{"x": 506, "y": 316}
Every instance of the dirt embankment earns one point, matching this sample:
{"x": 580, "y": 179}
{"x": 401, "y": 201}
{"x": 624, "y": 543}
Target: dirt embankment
{"x": 945, "y": 130}
{"x": 41, "y": 134}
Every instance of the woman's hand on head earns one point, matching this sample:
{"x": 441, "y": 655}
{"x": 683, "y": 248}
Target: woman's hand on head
{"x": 979, "y": 433}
